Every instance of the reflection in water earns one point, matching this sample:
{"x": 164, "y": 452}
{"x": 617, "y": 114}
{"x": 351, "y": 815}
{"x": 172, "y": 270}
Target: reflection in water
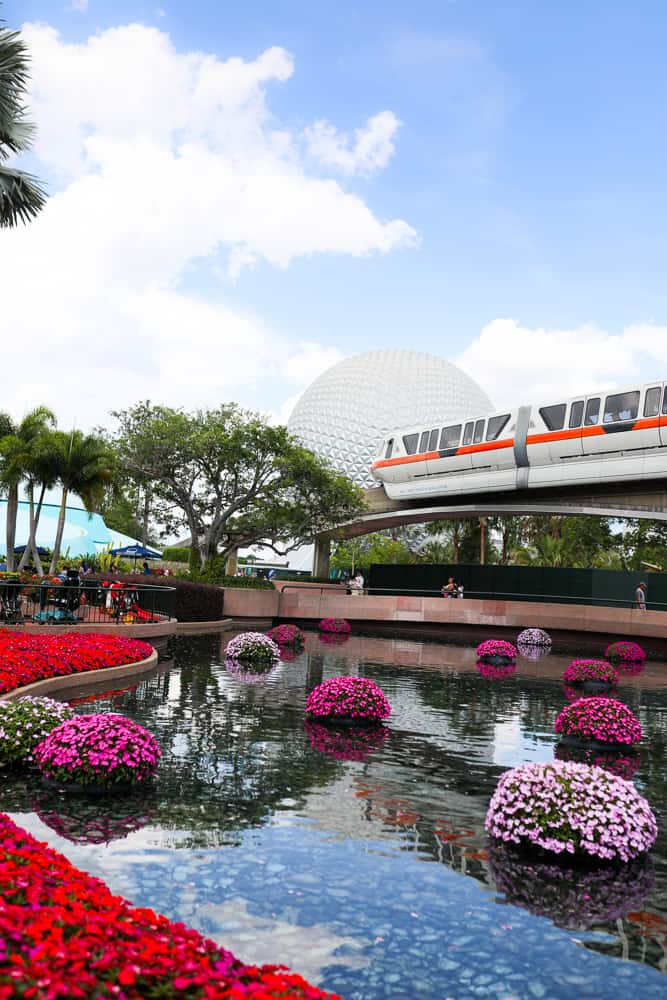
{"x": 624, "y": 763}
{"x": 256, "y": 813}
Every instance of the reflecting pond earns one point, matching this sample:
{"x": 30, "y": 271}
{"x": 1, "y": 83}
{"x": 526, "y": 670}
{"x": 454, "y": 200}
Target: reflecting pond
{"x": 359, "y": 857}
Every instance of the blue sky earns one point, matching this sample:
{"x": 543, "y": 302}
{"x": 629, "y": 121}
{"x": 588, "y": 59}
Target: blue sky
{"x": 529, "y": 165}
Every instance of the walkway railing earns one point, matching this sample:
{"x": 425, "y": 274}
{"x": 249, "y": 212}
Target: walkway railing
{"x": 71, "y": 603}
{"x": 483, "y": 595}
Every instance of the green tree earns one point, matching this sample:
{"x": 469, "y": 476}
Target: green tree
{"x": 85, "y": 466}
{"x": 21, "y": 196}
{"x": 362, "y": 552}
{"x": 17, "y": 457}
{"x": 230, "y": 479}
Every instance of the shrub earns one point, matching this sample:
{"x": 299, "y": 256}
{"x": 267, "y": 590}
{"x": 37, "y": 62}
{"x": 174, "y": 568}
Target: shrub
{"x": 246, "y": 582}
{"x": 60, "y": 926}
{"x": 495, "y": 672}
{"x": 572, "y": 808}
{"x": 336, "y": 625}
{"x": 26, "y": 658}
{"x": 353, "y": 743}
{"x": 348, "y": 697}
{"x": 24, "y": 723}
{"x": 603, "y": 719}
{"x": 580, "y": 671}
{"x": 193, "y": 602}
{"x": 288, "y": 635}
{"x": 625, "y": 652}
{"x": 176, "y": 553}
{"x": 215, "y": 571}
{"x": 252, "y": 646}
{"x": 533, "y": 637}
{"x": 496, "y": 647}
{"x": 102, "y": 750}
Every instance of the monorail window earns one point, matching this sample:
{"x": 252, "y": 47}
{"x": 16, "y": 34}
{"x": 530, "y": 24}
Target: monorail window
{"x": 479, "y": 432}
{"x": 469, "y": 428}
{"x": 495, "y": 426}
{"x": 390, "y": 445}
{"x": 433, "y": 443}
{"x": 410, "y": 443}
{"x": 423, "y": 443}
{"x": 554, "y": 416}
{"x": 592, "y": 412}
{"x": 652, "y": 402}
{"x": 664, "y": 401}
{"x": 450, "y": 437}
{"x": 623, "y": 406}
{"x": 576, "y": 413}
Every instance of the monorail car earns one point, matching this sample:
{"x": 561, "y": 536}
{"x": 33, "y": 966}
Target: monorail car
{"x": 592, "y": 438}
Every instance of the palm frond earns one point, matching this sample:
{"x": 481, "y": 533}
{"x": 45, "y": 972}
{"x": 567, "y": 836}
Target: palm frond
{"x": 21, "y": 197}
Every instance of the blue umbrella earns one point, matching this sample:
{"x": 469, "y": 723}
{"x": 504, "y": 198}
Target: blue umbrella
{"x": 136, "y": 552}
{"x": 20, "y": 549}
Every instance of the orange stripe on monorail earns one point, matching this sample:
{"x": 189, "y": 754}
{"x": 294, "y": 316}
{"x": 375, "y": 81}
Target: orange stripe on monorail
{"x": 432, "y": 456}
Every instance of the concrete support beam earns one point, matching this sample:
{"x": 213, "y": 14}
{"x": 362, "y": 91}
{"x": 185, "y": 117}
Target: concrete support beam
{"x": 322, "y": 562}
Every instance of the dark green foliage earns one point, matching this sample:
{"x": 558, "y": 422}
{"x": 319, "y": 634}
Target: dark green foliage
{"x": 176, "y": 553}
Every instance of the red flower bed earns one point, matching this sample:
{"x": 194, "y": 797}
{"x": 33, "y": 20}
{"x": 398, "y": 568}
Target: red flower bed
{"x": 63, "y": 934}
{"x": 26, "y": 658}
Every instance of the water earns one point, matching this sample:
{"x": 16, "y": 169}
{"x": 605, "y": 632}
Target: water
{"x": 371, "y": 876}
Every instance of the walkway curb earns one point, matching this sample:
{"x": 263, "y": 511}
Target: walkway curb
{"x": 123, "y": 671}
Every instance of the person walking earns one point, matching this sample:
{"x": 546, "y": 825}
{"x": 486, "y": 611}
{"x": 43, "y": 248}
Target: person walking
{"x": 640, "y": 597}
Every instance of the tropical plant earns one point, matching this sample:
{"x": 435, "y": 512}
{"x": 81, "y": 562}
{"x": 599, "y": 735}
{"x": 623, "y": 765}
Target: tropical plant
{"x": 85, "y": 466}
{"x": 20, "y": 445}
{"x": 571, "y": 808}
{"x": 21, "y": 196}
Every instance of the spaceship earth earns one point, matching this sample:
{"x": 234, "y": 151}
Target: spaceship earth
{"x": 346, "y": 412}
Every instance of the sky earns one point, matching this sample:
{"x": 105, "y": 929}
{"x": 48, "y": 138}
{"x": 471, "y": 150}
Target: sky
{"x": 243, "y": 194}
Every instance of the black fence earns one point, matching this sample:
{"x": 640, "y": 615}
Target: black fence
{"x": 613, "y": 588}
{"x": 72, "y": 603}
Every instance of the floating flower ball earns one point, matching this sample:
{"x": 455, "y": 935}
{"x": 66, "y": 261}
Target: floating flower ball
{"x": 348, "y": 698}
{"x": 533, "y": 637}
{"x": 604, "y": 720}
{"x": 352, "y": 743}
{"x": 580, "y": 671}
{"x": 625, "y": 654}
{"x": 571, "y": 808}
{"x": 532, "y": 652}
{"x": 25, "y": 723}
{"x": 335, "y": 625}
{"x": 251, "y": 671}
{"x": 624, "y": 764}
{"x": 496, "y": 649}
{"x": 495, "y": 672}
{"x": 288, "y": 635}
{"x": 103, "y": 750}
{"x": 252, "y": 646}
{"x": 568, "y": 896}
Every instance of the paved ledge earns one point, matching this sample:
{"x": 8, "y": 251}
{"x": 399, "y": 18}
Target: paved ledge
{"x": 191, "y": 628}
{"x": 146, "y": 631}
{"x": 124, "y": 672}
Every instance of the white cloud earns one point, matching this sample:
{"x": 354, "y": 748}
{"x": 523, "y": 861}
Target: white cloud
{"x": 168, "y": 168}
{"x": 516, "y": 364}
{"x": 371, "y": 149}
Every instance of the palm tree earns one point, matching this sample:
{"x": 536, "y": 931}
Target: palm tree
{"x": 42, "y": 472}
{"x": 85, "y": 466}
{"x": 16, "y": 454}
{"x": 21, "y": 196}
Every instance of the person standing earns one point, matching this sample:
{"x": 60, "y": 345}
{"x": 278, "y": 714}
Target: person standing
{"x": 640, "y": 597}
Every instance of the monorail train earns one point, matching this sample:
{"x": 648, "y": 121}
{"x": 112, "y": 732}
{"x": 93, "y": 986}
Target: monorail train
{"x": 587, "y": 439}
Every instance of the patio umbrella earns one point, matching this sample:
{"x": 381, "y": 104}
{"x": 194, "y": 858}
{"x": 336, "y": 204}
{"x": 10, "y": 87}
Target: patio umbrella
{"x": 20, "y": 549}
{"x": 136, "y": 552}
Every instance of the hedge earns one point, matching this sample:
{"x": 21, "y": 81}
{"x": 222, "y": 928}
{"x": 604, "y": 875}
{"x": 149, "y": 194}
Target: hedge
{"x": 174, "y": 553}
{"x": 195, "y": 602}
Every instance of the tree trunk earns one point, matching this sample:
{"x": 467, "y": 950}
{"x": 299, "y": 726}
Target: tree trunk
{"x": 144, "y": 526}
{"x": 12, "y": 510}
{"x": 59, "y": 532}
{"x": 31, "y": 547}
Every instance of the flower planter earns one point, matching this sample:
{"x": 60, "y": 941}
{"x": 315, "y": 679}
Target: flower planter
{"x": 496, "y": 660}
{"x": 92, "y": 790}
{"x": 596, "y": 687}
{"x": 344, "y": 720}
{"x": 578, "y": 743}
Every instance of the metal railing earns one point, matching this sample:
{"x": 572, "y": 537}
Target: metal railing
{"x": 485, "y": 595}
{"x": 72, "y": 603}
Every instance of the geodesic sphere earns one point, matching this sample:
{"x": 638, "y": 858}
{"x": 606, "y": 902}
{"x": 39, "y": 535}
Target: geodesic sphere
{"x": 347, "y": 412}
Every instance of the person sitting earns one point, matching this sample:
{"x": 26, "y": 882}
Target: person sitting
{"x": 356, "y": 584}
{"x": 147, "y": 569}
{"x": 449, "y": 589}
